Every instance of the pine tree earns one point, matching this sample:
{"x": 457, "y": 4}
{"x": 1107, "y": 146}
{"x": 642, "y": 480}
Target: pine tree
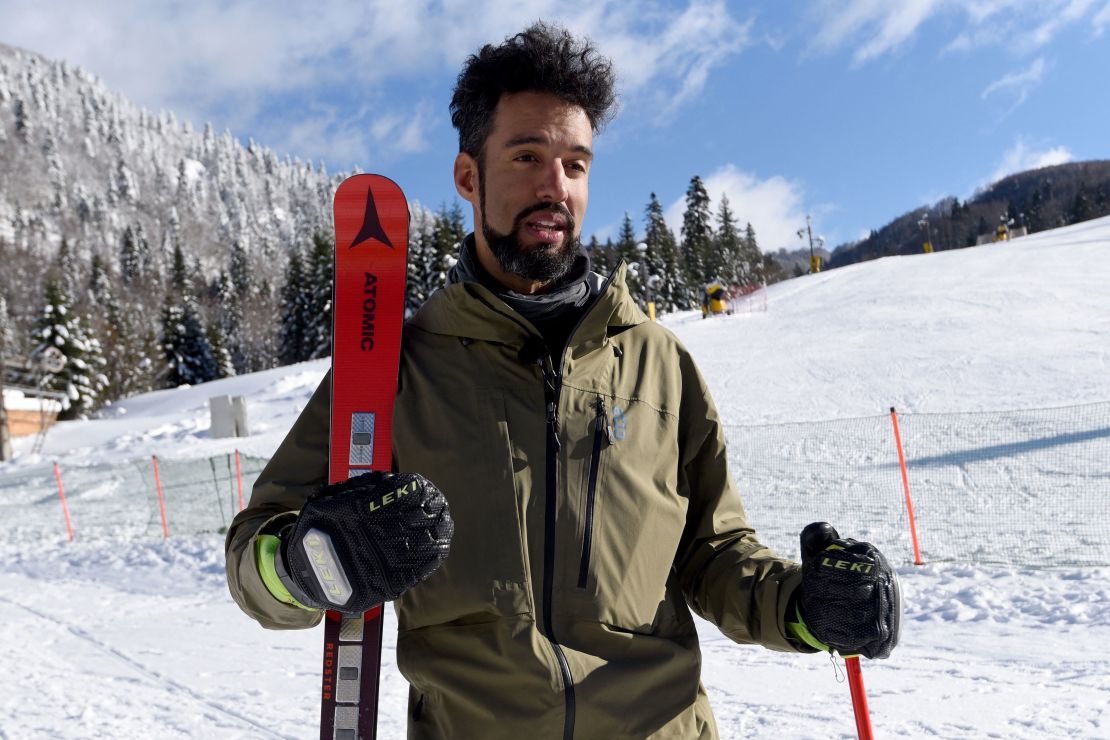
{"x": 225, "y": 368}
{"x": 703, "y": 262}
{"x": 7, "y": 332}
{"x": 239, "y": 270}
{"x": 447, "y": 236}
{"x": 294, "y": 313}
{"x": 183, "y": 341}
{"x": 179, "y": 273}
{"x": 129, "y": 349}
{"x": 728, "y": 243}
{"x": 423, "y": 275}
{"x": 130, "y": 262}
{"x": 22, "y": 124}
{"x": 600, "y": 256}
{"x": 100, "y": 282}
{"x": 319, "y": 284}
{"x": 185, "y": 347}
{"x": 626, "y": 250}
{"x": 67, "y": 268}
{"x": 81, "y": 379}
{"x": 662, "y": 263}
{"x": 1082, "y": 206}
{"x": 227, "y": 330}
{"x": 752, "y": 259}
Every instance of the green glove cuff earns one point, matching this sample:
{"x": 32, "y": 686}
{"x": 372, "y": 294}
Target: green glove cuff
{"x": 265, "y": 551}
{"x": 800, "y": 632}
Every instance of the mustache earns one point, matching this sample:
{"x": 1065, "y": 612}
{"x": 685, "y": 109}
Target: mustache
{"x": 550, "y": 207}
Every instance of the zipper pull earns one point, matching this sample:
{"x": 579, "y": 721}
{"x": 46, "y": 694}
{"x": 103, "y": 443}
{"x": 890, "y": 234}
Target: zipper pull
{"x": 603, "y": 424}
{"x": 553, "y": 421}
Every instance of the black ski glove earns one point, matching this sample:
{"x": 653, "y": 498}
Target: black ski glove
{"x": 850, "y": 599}
{"x": 365, "y": 541}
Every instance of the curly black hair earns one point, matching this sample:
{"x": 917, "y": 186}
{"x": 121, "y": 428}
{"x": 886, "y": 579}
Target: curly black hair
{"x": 543, "y": 58}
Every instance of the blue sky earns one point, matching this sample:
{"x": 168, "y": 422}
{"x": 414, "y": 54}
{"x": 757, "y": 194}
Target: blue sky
{"x": 854, "y": 111}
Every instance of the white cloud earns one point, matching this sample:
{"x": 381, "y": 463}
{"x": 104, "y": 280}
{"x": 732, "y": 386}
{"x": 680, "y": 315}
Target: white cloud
{"x": 896, "y": 28}
{"x": 224, "y": 61}
{"x": 1017, "y": 84}
{"x": 874, "y": 28}
{"x": 1021, "y": 157}
{"x": 773, "y": 206}
{"x": 1101, "y": 20}
{"x": 1064, "y": 16}
{"x": 671, "y": 65}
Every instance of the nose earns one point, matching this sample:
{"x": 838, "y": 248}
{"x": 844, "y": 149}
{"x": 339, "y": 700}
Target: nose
{"x": 552, "y": 187}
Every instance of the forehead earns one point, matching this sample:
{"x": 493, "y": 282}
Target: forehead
{"x": 541, "y": 115}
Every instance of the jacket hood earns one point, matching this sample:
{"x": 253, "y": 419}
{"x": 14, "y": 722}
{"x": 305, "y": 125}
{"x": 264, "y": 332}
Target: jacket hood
{"x": 472, "y": 311}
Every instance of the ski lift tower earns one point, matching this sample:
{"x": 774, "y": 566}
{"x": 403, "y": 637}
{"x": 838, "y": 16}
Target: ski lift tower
{"x": 923, "y": 222}
{"x": 814, "y": 259}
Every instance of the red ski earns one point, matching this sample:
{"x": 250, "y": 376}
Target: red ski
{"x": 368, "y": 305}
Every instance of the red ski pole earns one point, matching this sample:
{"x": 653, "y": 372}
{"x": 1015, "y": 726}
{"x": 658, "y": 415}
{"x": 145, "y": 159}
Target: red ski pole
{"x": 859, "y": 699}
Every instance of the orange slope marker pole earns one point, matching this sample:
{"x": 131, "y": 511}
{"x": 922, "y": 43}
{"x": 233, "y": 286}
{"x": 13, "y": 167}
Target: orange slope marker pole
{"x": 906, "y": 486}
{"x": 239, "y": 478}
{"x": 62, "y": 496}
{"x": 161, "y": 498}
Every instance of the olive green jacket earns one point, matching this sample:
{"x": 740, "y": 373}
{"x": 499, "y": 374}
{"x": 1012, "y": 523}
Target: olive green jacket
{"x": 592, "y": 512}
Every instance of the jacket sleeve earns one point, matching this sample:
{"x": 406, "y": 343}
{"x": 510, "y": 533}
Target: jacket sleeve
{"x": 298, "y": 468}
{"x": 727, "y": 575}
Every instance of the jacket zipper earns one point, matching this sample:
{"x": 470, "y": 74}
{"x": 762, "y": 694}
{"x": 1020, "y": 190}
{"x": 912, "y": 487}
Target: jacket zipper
{"x": 601, "y": 431}
{"x": 552, "y": 386}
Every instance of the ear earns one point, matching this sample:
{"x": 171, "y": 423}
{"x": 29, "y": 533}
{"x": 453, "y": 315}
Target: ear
{"x": 466, "y": 178}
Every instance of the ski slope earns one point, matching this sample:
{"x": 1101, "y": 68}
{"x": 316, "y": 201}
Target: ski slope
{"x": 138, "y": 639}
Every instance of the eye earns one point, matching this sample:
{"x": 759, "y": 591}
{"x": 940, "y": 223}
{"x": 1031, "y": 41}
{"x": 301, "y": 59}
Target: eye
{"x": 525, "y": 158}
{"x": 577, "y": 166}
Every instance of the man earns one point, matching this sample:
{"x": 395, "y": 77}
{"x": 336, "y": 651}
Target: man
{"x": 581, "y": 456}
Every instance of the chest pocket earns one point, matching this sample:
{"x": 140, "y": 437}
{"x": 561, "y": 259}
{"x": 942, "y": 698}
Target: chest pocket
{"x": 633, "y": 516}
{"x": 470, "y": 457}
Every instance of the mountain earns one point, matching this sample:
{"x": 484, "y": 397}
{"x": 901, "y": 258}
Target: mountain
{"x": 84, "y": 164}
{"x": 161, "y": 241}
{"x": 1039, "y": 199}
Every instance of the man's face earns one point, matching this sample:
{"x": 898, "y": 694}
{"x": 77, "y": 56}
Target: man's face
{"x": 533, "y": 186}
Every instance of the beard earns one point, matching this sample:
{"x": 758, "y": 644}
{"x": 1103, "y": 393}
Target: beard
{"x": 546, "y": 263}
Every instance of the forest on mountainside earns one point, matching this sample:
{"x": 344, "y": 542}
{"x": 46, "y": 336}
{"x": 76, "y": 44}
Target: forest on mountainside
{"x": 1039, "y": 199}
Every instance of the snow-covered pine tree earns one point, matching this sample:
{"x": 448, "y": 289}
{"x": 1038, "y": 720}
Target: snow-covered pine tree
{"x": 225, "y": 332}
{"x": 67, "y": 268}
{"x": 294, "y": 312}
{"x": 186, "y": 349}
{"x": 728, "y": 243}
{"x": 225, "y": 368}
{"x": 663, "y": 261}
{"x": 703, "y": 263}
{"x": 626, "y": 250}
{"x": 600, "y": 257}
{"x": 447, "y": 236}
{"x": 318, "y": 287}
{"x": 134, "y": 257}
{"x": 81, "y": 380}
{"x": 752, "y": 257}
{"x": 7, "y": 332}
{"x": 423, "y": 268}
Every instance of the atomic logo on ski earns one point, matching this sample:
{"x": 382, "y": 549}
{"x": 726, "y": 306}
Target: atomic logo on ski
{"x": 371, "y": 224}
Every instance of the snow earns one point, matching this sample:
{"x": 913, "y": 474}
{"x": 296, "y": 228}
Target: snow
{"x": 112, "y": 638}
{"x": 16, "y": 400}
